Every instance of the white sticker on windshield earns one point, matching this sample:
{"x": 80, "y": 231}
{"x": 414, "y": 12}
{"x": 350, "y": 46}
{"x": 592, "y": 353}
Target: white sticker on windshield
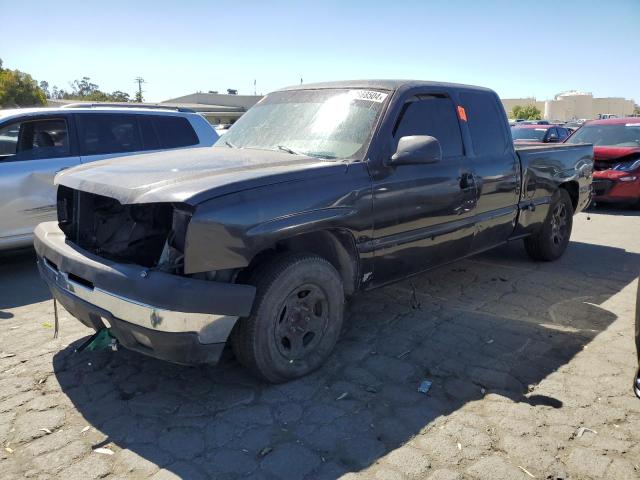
{"x": 370, "y": 95}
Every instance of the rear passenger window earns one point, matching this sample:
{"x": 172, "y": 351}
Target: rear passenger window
{"x": 174, "y": 132}
{"x": 486, "y": 123}
{"x": 110, "y": 133}
{"x": 431, "y": 115}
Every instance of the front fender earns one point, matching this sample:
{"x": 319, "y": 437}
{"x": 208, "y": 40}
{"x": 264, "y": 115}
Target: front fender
{"x": 227, "y": 232}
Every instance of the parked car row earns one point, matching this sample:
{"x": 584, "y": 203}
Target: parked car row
{"x": 38, "y": 143}
{"x": 616, "y": 158}
{"x": 616, "y": 149}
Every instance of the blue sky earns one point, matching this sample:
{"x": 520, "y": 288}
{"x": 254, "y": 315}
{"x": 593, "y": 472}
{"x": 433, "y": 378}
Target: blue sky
{"x": 518, "y": 48}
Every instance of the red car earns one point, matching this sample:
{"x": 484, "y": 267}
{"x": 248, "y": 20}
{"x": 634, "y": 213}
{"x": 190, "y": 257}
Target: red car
{"x": 616, "y": 141}
{"x": 538, "y": 134}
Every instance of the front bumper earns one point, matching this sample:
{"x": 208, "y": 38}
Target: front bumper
{"x": 174, "y": 318}
{"x": 608, "y": 188}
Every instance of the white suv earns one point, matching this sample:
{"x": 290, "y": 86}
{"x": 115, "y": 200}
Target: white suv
{"x": 37, "y": 143}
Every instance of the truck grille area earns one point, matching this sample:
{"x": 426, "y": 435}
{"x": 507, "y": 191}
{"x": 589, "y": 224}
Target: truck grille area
{"x": 134, "y": 233}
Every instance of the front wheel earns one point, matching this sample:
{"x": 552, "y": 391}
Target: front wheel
{"x": 552, "y": 239}
{"x": 296, "y": 318}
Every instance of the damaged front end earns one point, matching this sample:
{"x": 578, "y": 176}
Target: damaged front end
{"x": 150, "y": 234}
{"x": 120, "y": 267}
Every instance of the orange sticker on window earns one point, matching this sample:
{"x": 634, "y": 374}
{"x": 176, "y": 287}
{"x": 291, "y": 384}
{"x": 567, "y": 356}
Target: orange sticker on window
{"x": 462, "y": 114}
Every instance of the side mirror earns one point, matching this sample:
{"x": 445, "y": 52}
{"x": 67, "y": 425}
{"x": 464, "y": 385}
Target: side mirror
{"x": 416, "y": 149}
{"x": 553, "y": 139}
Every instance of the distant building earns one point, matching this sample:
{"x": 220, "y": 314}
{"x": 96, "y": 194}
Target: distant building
{"x": 574, "y": 105}
{"x": 218, "y": 108}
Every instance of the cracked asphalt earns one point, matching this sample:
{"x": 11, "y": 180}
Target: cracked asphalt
{"x": 531, "y": 365}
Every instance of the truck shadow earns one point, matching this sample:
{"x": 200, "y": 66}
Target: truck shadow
{"x": 495, "y": 324}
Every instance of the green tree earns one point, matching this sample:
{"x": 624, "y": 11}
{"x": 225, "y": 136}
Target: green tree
{"x": 85, "y": 90}
{"x": 528, "y": 112}
{"x": 19, "y": 89}
{"x": 138, "y": 98}
{"x": 119, "y": 96}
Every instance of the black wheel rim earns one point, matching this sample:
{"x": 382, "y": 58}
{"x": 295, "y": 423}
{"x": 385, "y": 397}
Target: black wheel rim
{"x": 301, "y": 322}
{"x": 559, "y": 224}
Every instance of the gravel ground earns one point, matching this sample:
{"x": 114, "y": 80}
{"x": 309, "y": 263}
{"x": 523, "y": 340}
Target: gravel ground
{"x": 531, "y": 367}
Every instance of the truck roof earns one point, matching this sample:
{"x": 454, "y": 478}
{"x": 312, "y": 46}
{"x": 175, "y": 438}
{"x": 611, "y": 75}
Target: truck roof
{"x": 382, "y": 85}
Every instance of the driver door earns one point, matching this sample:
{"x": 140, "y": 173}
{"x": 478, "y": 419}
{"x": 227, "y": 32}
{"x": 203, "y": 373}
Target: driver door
{"x": 423, "y": 213}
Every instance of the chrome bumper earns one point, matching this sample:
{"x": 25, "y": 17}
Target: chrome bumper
{"x": 210, "y": 328}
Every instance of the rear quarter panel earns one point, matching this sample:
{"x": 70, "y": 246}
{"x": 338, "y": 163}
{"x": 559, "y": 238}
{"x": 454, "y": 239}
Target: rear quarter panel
{"x": 544, "y": 169}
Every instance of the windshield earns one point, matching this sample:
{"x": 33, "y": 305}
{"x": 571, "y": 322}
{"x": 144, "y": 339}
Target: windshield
{"x": 619, "y": 135}
{"x": 331, "y": 123}
{"x": 530, "y": 134}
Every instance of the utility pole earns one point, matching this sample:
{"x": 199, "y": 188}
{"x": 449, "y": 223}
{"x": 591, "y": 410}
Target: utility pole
{"x": 139, "y": 81}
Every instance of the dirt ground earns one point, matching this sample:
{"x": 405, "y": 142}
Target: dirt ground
{"x": 531, "y": 367}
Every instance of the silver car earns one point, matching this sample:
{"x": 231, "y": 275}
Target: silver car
{"x": 37, "y": 143}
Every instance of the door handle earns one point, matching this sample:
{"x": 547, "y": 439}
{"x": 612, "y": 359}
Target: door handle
{"x": 467, "y": 181}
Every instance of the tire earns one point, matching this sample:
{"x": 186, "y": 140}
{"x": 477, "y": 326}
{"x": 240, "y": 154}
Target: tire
{"x": 296, "y": 318}
{"x": 552, "y": 239}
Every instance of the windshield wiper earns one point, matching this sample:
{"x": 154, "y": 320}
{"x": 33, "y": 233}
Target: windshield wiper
{"x": 290, "y": 150}
{"x": 229, "y": 144}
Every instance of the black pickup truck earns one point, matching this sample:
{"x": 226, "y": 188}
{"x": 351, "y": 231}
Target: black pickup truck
{"x": 317, "y": 192}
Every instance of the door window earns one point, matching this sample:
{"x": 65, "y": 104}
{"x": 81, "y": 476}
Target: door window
{"x": 432, "y": 115}
{"x": 486, "y": 123}
{"x": 34, "y": 139}
{"x": 562, "y": 133}
{"x": 108, "y": 133}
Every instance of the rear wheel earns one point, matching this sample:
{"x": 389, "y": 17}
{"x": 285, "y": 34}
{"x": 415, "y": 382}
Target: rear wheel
{"x": 296, "y": 318}
{"x": 552, "y": 239}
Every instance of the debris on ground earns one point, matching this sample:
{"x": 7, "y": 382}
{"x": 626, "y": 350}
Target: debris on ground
{"x": 526, "y": 471}
{"x": 425, "y": 385}
{"x": 8, "y": 450}
{"x": 404, "y": 354}
{"x": 47, "y": 325}
{"x": 103, "y": 451}
{"x": 371, "y": 389}
{"x": 580, "y": 432}
{"x": 85, "y": 429}
{"x": 45, "y": 430}
{"x": 99, "y": 340}
{"x": 7, "y": 355}
{"x": 342, "y": 396}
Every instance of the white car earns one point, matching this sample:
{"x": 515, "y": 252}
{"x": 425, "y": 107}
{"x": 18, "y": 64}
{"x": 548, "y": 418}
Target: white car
{"x": 37, "y": 143}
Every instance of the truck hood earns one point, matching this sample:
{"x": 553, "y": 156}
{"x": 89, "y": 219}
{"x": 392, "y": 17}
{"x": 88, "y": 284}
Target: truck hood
{"x": 615, "y": 154}
{"x": 190, "y": 175}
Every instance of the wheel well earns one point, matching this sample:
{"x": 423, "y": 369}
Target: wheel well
{"x": 572, "y": 189}
{"x": 336, "y": 246}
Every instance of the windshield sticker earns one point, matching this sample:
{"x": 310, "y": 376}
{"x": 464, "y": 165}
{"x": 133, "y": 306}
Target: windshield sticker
{"x": 370, "y": 95}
